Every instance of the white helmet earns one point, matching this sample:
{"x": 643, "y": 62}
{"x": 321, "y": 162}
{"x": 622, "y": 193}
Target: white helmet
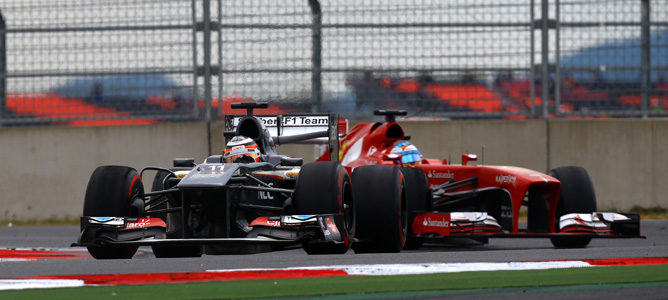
{"x": 241, "y": 149}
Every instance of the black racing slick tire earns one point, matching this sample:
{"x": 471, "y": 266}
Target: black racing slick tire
{"x": 380, "y": 201}
{"x": 576, "y": 196}
{"x": 113, "y": 191}
{"x": 418, "y": 199}
{"x": 325, "y": 188}
{"x": 173, "y": 221}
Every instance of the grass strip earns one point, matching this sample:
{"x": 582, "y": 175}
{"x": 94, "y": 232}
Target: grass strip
{"x": 359, "y": 285}
{"x": 522, "y": 291}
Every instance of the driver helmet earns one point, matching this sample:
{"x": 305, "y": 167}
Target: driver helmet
{"x": 409, "y": 153}
{"x": 241, "y": 149}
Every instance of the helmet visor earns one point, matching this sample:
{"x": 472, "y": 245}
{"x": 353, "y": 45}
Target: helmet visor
{"x": 241, "y": 158}
{"x": 411, "y": 157}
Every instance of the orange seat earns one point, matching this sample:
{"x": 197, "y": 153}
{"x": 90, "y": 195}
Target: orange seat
{"x": 52, "y": 106}
{"x": 475, "y": 97}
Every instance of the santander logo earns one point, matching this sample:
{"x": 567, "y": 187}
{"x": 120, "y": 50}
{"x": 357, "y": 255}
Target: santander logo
{"x": 446, "y": 175}
{"x": 436, "y": 223}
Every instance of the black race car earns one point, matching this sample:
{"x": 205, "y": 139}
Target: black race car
{"x": 217, "y": 207}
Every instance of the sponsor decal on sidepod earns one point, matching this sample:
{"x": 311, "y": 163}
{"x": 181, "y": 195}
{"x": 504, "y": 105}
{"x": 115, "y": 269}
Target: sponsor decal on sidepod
{"x": 446, "y": 175}
{"x": 264, "y": 195}
{"x": 501, "y": 179}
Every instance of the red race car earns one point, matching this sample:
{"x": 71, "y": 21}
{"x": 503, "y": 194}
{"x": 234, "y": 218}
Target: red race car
{"x": 408, "y": 199}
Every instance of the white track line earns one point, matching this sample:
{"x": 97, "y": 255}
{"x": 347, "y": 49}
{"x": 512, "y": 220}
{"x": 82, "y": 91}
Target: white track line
{"x": 431, "y": 268}
{"x": 22, "y": 284}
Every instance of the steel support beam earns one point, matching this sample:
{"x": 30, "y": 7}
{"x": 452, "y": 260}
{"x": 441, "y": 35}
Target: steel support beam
{"x": 645, "y": 80}
{"x": 3, "y": 67}
{"x": 316, "y": 56}
{"x": 206, "y": 36}
{"x": 219, "y": 70}
{"x": 532, "y": 62}
{"x": 545, "y": 57}
{"x": 557, "y": 68}
{"x": 195, "y": 92}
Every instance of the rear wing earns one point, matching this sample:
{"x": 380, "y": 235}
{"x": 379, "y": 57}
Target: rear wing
{"x": 294, "y": 124}
{"x": 297, "y": 128}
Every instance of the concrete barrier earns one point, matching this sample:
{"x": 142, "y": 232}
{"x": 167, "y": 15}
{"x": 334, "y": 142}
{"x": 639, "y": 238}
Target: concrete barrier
{"x": 44, "y": 170}
{"x": 626, "y": 159}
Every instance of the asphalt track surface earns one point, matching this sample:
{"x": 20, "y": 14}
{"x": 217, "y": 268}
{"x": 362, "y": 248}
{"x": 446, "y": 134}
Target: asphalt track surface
{"x": 498, "y": 250}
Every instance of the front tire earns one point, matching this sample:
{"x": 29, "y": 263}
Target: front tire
{"x": 380, "y": 197}
{"x": 418, "y": 198}
{"x": 325, "y": 188}
{"x": 113, "y": 191}
{"x": 576, "y": 196}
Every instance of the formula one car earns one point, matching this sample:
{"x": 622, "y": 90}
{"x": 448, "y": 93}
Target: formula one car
{"x": 248, "y": 199}
{"x": 434, "y": 200}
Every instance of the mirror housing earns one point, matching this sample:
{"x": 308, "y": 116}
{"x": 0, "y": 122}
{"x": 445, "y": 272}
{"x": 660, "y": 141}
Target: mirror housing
{"x": 291, "y": 162}
{"x": 184, "y": 162}
{"x": 466, "y": 157}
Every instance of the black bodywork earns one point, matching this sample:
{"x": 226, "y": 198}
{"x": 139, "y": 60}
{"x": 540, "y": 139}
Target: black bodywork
{"x": 216, "y": 202}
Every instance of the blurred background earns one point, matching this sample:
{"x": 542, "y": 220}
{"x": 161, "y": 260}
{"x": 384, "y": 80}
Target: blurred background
{"x": 119, "y": 62}
{"x": 517, "y": 75}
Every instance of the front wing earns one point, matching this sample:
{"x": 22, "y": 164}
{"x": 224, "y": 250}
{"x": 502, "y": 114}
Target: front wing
{"x": 481, "y": 224}
{"x": 279, "y": 230}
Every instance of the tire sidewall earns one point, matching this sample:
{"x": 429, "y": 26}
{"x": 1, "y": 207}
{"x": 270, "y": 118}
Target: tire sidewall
{"x": 380, "y": 196}
{"x": 324, "y": 188}
{"x": 576, "y": 196}
{"x": 111, "y": 192}
{"x": 418, "y": 199}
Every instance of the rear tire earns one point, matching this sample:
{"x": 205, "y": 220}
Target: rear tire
{"x": 577, "y": 196}
{"x": 111, "y": 192}
{"x": 174, "y": 224}
{"x": 324, "y": 188}
{"x": 380, "y": 198}
{"x": 418, "y": 198}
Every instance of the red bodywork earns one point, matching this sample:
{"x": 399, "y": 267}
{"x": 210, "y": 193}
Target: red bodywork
{"x": 370, "y": 144}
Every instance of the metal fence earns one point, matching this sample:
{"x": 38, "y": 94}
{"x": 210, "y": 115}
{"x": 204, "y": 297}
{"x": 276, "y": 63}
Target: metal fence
{"x": 136, "y": 62}
{"x": 81, "y": 62}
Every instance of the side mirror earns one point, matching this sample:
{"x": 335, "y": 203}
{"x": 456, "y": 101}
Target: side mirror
{"x": 184, "y": 162}
{"x": 468, "y": 157}
{"x": 291, "y": 162}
